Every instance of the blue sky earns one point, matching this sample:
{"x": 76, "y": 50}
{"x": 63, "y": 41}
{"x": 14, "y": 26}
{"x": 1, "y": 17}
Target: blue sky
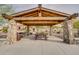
{"x": 66, "y": 8}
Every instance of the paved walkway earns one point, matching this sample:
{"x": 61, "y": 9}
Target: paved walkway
{"x": 28, "y": 46}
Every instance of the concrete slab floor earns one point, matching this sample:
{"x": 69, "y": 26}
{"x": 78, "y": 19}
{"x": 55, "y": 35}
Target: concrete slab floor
{"x": 27, "y": 46}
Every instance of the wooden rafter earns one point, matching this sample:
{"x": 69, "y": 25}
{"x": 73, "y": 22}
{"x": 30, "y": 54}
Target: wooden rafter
{"x": 38, "y": 18}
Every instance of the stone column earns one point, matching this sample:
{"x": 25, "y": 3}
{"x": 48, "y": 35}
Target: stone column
{"x": 12, "y": 32}
{"x": 68, "y": 31}
{"x": 50, "y": 32}
{"x": 27, "y": 30}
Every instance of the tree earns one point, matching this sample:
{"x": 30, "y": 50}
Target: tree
{"x": 76, "y": 26}
{"x": 5, "y": 8}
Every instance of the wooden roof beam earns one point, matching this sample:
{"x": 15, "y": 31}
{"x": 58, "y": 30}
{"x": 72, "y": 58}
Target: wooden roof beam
{"x": 40, "y": 22}
{"x": 38, "y": 18}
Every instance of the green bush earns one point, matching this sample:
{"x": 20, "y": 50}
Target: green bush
{"x": 5, "y": 29}
{"x": 76, "y": 24}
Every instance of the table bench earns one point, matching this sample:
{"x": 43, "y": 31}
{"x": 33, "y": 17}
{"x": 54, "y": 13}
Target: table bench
{"x": 40, "y": 36}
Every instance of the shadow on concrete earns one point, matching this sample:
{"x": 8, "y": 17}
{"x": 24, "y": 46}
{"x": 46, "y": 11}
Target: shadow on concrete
{"x": 57, "y": 41}
{"x": 77, "y": 42}
{"x": 61, "y": 37}
{"x": 32, "y": 37}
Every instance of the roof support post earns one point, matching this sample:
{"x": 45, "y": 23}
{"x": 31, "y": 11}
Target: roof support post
{"x": 27, "y": 30}
{"x": 68, "y": 31}
{"x": 12, "y": 32}
{"x": 50, "y": 31}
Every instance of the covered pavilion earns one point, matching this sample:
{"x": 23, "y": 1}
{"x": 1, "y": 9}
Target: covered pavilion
{"x": 41, "y": 16}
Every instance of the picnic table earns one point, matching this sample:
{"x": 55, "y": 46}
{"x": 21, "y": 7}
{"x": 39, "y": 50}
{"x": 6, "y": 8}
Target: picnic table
{"x": 40, "y": 36}
{"x": 20, "y": 34}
